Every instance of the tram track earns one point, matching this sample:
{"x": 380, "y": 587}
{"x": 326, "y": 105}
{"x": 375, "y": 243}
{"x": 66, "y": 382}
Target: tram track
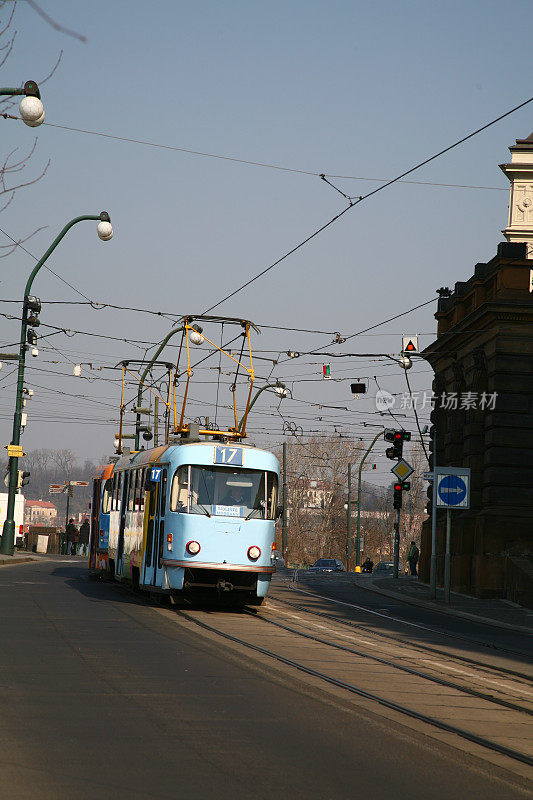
{"x": 428, "y": 648}
{"x": 229, "y": 627}
{"x": 409, "y": 670}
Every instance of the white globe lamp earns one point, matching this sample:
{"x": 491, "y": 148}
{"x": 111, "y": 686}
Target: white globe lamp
{"x": 31, "y": 110}
{"x": 105, "y": 231}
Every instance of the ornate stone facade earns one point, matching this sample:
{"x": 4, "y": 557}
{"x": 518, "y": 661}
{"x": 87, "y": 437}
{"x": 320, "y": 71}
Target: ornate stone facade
{"x": 520, "y": 173}
{"x": 485, "y": 345}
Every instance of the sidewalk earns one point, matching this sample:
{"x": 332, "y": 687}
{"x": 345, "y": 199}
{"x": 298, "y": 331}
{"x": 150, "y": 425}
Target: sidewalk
{"x": 501, "y": 613}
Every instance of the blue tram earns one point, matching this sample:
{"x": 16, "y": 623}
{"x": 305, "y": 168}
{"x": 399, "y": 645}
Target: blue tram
{"x": 193, "y": 518}
{"x": 100, "y": 508}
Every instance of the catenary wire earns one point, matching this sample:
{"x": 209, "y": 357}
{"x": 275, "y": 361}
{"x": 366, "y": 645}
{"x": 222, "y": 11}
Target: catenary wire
{"x": 364, "y": 197}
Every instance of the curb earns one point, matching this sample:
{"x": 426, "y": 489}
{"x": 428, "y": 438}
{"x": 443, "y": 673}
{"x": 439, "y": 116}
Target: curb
{"x": 4, "y": 562}
{"x": 449, "y": 611}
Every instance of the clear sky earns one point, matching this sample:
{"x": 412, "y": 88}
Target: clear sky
{"x": 346, "y": 88}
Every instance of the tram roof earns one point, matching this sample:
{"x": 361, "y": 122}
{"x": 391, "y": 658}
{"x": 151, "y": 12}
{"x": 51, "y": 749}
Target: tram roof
{"x": 200, "y": 453}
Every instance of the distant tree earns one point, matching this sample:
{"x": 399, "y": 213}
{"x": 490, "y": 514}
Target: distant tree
{"x": 317, "y": 529}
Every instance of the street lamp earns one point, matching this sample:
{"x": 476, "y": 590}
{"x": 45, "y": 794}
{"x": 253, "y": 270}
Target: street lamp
{"x": 279, "y": 388}
{"x": 31, "y": 307}
{"x": 31, "y": 108}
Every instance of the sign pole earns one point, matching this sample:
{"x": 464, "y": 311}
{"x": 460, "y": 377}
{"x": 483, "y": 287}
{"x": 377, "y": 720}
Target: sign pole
{"x": 433, "y": 562}
{"x": 447, "y": 557}
{"x": 66, "y": 516}
{"x": 396, "y": 544}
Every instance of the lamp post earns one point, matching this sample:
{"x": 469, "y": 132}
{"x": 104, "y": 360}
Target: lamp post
{"x": 31, "y": 108}
{"x": 33, "y": 304}
{"x": 279, "y": 388}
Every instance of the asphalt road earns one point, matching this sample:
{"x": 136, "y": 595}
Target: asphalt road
{"x": 102, "y": 696}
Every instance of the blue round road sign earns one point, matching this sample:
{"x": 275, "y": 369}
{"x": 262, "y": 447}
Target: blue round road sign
{"x": 452, "y": 490}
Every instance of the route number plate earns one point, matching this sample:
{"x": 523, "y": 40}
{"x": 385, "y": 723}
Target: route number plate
{"x": 155, "y": 474}
{"x": 230, "y": 456}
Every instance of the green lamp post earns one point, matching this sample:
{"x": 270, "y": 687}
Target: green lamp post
{"x": 30, "y": 308}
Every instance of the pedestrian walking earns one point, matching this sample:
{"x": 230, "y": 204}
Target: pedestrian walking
{"x": 412, "y": 558}
{"x": 72, "y": 537}
{"x": 83, "y": 540}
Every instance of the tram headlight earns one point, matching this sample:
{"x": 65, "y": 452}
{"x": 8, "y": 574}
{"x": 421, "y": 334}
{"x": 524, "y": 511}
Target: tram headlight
{"x": 254, "y": 552}
{"x": 193, "y": 548}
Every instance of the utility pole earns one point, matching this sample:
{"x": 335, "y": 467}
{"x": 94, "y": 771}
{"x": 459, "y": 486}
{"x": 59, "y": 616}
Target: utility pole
{"x": 284, "y": 515}
{"x": 156, "y": 421}
{"x": 349, "y": 521}
{"x": 358, "y": 539}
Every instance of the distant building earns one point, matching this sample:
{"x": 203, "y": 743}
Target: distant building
{"x": 315, "y": 495}
{"x": 39, "y": 512}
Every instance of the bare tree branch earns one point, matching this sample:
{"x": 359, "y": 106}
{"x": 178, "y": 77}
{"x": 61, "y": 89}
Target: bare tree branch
{"x": 54, "y": 24}
{"x": 15, "y": 243}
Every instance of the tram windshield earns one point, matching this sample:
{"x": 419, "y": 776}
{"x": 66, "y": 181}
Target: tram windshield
{"x": 220, "y": 491}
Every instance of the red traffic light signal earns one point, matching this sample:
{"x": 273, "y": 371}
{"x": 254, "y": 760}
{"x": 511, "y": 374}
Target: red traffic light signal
{"x": 397, "y": 500}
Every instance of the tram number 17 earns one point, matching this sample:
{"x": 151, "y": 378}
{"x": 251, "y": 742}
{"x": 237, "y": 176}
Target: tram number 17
{"x": 228, "y": 455}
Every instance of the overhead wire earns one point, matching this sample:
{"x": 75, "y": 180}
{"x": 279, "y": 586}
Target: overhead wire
{"x": 250, "y": 162}
{"x": 362, "y": 198}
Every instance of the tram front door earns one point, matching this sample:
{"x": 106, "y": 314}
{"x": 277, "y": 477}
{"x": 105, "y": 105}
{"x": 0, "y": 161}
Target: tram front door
{"x": 155, "y": 532}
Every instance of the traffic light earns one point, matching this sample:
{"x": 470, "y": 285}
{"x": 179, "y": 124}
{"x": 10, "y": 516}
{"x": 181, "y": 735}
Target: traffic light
{"x": 397, "y": 503}
{"x": 358, "y": 388}
{"x": 398, "y": 438}
{"x": 23, "y": 479}
{"x": 406, "y": 485}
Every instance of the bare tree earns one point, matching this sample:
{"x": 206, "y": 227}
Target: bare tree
{"x": 64, "y": 461}
{"x": 317, "y": 484}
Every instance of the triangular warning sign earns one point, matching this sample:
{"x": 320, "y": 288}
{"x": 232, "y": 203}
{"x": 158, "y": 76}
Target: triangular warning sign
{"x": 410, "y": 344}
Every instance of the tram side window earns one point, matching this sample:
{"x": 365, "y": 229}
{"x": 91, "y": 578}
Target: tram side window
{"x": 141, "y": 490}
{"x": 118, "y": 497}
{"x": 131, "y": 493}
{"x": 180, "y": 489}
{"x": 107, "y": 496}
{"x": 114, "y": 493}
{"x": 272, "y": 494}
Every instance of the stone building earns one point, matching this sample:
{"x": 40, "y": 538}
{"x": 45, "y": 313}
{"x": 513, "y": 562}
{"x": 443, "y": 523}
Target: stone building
{"x": 483, "y": 359}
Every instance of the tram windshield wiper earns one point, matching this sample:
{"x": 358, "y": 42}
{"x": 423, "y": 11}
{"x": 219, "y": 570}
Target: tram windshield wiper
{"x": 204, "y": 509}
{"x": 260, "y": 509}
